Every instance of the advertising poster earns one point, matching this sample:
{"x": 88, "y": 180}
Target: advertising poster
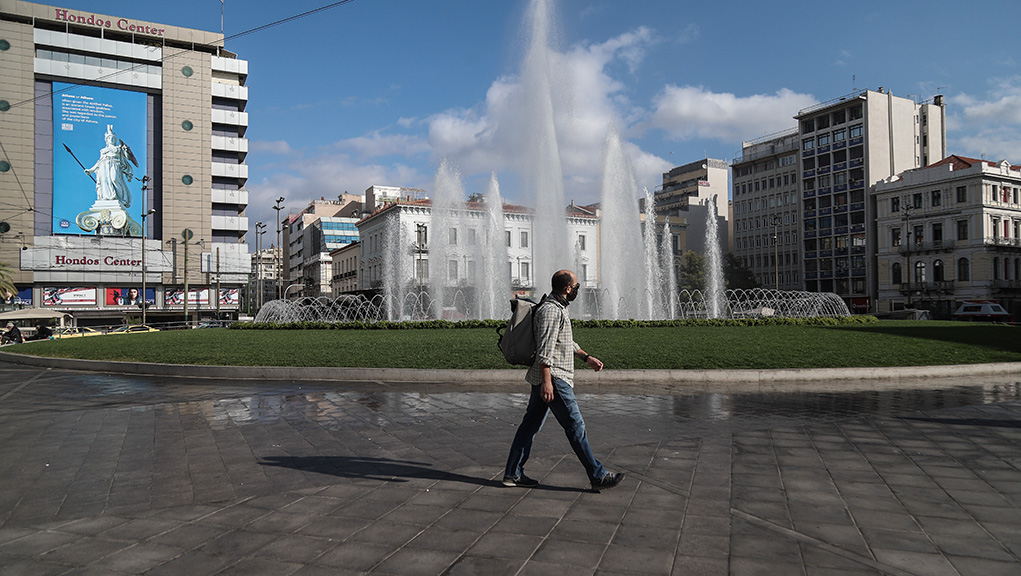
{"x": 69, "y": 296}
{"x": 196, "y": 297}
{"x": 129, "y": 296}
{"x": 99, "y": 152}
{"x": 230, "y": 296}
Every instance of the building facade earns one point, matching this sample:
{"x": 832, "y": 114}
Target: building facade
{"x": 846, "y": 146}
{"x": 310, "y": 236}
{"x": 766, "y": 210}
{"x": 400, "y": 239}
{"x": 124, "y": 148}
{"x": 947, "y": 233}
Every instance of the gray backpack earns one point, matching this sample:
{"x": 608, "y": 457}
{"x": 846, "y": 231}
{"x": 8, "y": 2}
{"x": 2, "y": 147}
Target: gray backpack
{"x": 517, "y": 340}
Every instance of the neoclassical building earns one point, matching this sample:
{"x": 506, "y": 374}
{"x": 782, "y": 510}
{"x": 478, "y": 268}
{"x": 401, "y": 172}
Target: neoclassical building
{"x": 949, "y": 232}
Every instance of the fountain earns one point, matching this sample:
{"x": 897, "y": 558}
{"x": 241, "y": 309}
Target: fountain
{"x": 468, "y": 276}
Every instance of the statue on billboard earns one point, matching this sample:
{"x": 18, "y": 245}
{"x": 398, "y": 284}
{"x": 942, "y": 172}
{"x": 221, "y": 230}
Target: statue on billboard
{"x": 113, "y": 170}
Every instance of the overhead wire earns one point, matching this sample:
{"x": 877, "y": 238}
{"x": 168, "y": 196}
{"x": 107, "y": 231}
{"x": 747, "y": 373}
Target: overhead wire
{"x": 163, "y": 60}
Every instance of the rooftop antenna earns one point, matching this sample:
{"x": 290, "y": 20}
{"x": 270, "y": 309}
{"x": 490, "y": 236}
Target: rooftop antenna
{"x": 221, "y": 18}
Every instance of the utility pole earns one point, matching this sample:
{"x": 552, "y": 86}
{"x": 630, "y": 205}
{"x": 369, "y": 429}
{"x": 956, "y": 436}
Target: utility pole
{"x": 145, "y": 235}
{"x": 278, "y": 267}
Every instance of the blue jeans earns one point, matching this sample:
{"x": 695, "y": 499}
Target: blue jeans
{"x": 565, "y": 409}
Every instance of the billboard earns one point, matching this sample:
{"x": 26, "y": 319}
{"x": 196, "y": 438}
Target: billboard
{"x": 129, "y": 296}
{"x": 196, "y": 296}
{"x": 69, "y": 296}
{"x": 99, "y": 153}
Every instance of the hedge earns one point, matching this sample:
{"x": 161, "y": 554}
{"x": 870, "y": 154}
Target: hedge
{"x": 494, "y": 324}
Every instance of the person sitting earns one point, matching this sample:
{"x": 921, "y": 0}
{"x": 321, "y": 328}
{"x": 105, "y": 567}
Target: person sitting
{"x": 12, "y": 335}
{"x": 42, "y": 332}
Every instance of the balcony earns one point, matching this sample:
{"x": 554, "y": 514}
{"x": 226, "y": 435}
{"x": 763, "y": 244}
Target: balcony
{"x": 809, "y": 193}
{"x": 233, "y": 91}
{"x": 933, "y": 287}
{"x": 1003, "y": 242}
{"x": 855, "y": 162}
{"x": 239, "y": 197}
{"x": 233, "y": 223}
{"x": 230, "y": 170}
{"x": 936, "y": 246}
{"x": 230, "y": 117}
{"x": 808, "y": 173}
{"x": 823, "y": 170}
{"x": 230, "y": 143}
{"x": 1007, "y": 284}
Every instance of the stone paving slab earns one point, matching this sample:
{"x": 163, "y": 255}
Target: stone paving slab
{"x": 108, "y": 474}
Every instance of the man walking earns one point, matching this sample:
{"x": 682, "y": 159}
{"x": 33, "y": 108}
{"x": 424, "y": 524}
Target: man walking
{"x": 552, "y": 380}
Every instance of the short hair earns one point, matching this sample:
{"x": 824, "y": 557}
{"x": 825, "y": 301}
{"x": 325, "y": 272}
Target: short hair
{"x": 561, "y": 280}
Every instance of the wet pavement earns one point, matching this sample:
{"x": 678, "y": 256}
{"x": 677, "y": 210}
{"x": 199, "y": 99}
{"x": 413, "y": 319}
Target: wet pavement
{"x": 108, "y": 474}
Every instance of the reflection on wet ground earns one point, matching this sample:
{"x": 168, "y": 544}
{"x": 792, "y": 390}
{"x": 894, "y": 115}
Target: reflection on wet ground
{"x": 224, "y": 403}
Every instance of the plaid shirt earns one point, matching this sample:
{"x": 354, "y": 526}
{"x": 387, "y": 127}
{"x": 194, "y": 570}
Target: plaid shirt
{"x": 554, "y": 341}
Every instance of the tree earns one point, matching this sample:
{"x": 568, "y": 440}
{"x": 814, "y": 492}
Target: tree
{"x": 736, "y": 275}
{"x": 7, "y": 288}
{"x": 695, "y": 273}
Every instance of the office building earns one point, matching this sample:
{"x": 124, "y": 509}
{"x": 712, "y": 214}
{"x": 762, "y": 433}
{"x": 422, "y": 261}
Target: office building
{"x": 847, "y": 145}
{"x": 119, "y": 136}
{"x": 766, "y": 210}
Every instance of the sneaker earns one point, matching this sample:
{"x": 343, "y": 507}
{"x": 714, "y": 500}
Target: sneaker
{"x": 522, "y": 481}
{"x": 608, "y": 481}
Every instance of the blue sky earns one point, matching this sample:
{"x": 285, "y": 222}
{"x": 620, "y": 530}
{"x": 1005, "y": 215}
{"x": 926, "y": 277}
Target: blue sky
{"x": 380, "y": 91}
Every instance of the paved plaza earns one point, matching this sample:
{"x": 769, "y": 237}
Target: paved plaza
{"x": 111, "y": 474}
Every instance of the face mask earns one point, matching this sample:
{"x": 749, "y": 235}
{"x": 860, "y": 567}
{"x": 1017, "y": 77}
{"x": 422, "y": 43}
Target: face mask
{"x": 573, "y": 294}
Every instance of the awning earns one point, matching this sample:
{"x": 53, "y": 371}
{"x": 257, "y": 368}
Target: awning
{"x": 33, "y": 314}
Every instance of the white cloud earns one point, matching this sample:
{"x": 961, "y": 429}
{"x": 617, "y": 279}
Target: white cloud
{"x": 986, "y": 125}
{"x": 275, "y": 147}
{"x": 377, "y": 144}
{"x": 686, "y": 112}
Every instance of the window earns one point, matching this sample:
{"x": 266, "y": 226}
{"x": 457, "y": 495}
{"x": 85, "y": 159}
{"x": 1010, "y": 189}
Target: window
{"x": 962, "y": 229}
{"x": 472, "y": 236}
{"x": 808, "y": 144}
{"x": 918, "y": 231}
{"x": 962, "y": 194}
{"x": 525, "y": 272}
{"x": 824, "y": 139}
{"x": 524, "y": 239}
{"x": 937, "y": 233}
{"x": 840, "y": 116}
{"x": 895, "y": 237}
{"x": 896, "y": 275}
{"x": 920, "y": 272}
{"x": 937, "y": 271}
{"x": 581, "y": 242}
{"x": 452, "y": 271}
{"x": 854, "y": 132}
{"x": 895, "y": 204}
{"x": 452, "y": 237}
{"x": 963, "y": 270}
{"x": 507, "y": 237}
{"x": 937, "y": 198}
{"x": 916, "y": 200}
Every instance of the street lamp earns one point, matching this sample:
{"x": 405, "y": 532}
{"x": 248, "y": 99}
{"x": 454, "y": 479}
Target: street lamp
{"x": 145, "y": 215}
{"x": 774, "y": 221}
{"x": 277, "y": 267}
{"x": 260, "y": 229}
{"x": 908, "y": 210}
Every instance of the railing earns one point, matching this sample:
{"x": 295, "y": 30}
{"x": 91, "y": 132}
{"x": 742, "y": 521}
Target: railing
{"x": 1005, "y": 242}
{"x": 927, "y": 246}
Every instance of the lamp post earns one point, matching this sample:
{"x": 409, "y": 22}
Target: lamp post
{"x": 277, "y": 268}
{"x": 908, "y": 209}
{"x": 259, "y": 231}
{"x": 145, "y": 215}
{"x": 775, "y": 221}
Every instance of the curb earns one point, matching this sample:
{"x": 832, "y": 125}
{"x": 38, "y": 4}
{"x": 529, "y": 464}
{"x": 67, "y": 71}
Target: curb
{"x": 685, "y": 378}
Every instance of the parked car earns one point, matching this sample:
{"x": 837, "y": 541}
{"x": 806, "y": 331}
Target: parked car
{"x": 133, "y": 329}
{"x": 74, "y": 332}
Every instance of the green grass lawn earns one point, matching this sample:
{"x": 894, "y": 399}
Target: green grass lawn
{"x": 886, "y": 343}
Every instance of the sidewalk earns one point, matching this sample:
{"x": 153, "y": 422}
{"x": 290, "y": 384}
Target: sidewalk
{"x": 115, "y": 474}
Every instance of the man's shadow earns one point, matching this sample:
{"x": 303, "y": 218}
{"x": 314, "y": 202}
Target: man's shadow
{"x": 385, "y": 470}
